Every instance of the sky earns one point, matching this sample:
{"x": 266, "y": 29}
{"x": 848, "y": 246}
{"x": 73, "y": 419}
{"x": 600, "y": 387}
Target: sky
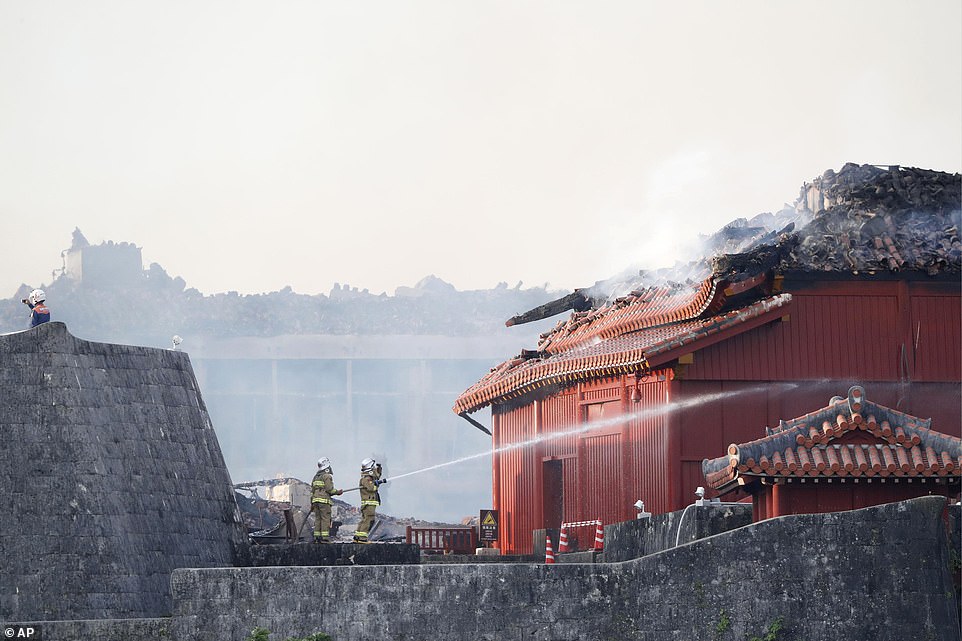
{"x": 248, "y": 146}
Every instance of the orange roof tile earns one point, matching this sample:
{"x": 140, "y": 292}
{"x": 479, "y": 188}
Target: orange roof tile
{"x": 851, "y": 437}
{"x": 632, "y": 352}
{"x": 642, "y": 309}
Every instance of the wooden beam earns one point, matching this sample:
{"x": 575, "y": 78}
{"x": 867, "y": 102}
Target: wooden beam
{"x": 575, "y": 300}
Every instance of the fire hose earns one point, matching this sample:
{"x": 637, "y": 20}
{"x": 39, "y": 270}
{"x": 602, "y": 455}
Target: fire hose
{"x": 377, "y": 483}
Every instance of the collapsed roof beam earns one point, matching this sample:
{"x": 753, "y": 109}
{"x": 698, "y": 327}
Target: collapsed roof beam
{"x": 575, "y": 300}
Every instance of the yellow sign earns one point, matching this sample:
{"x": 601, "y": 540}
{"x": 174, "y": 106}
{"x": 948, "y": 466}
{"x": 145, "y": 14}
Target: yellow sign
{"x": 488, "y": 530}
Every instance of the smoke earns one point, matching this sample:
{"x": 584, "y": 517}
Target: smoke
{"x": 667, "y": 236}
{"x": 280, "y": 403}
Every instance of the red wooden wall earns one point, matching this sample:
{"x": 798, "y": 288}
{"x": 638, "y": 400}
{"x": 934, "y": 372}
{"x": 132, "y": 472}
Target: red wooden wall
{"x": 813, "y": 498}
{"x": 900, "y": 340}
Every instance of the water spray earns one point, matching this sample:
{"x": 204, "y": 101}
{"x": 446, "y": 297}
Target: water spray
{"x": 651, "y": 412}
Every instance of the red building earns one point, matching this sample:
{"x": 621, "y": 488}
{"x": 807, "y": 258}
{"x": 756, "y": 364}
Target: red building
{"x": 851, "y": 454}
{"x": 625, "y": 399}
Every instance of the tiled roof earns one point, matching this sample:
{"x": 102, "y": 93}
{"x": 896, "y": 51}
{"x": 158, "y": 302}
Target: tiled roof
{"x": 852, "y": 437}
{"x": 633, "y": 352}
{"x": 639, "y": 310}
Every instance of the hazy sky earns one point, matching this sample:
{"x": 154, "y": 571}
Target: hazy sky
{"x": 252, "y": 145}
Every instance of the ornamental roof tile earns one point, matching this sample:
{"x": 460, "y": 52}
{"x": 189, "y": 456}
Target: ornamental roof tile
{"x": 851, "y": 437}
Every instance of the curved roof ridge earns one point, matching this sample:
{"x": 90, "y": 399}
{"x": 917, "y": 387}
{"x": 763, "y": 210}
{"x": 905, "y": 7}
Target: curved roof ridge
{"x": 625, "y": 354}
{"x": 652, "y": 307}
{"x": 818, "y": 444}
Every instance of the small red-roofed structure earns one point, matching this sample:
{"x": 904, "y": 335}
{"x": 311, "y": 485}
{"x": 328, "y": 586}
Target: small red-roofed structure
{"x": 851, "y": 454}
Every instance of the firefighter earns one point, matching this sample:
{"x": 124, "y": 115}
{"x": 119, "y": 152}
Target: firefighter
{"x": 322, "y": 489}
{"x": 40, "y": 313}
{"x": 370, "y": 497}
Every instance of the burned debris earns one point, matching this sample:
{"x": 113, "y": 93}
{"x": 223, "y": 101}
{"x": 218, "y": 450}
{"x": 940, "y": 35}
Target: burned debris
{"x": 278, "y": 511}
{"x": 577, "y": 301}
{"x": 864, "y": 220}
{"x": 869, "y": 219}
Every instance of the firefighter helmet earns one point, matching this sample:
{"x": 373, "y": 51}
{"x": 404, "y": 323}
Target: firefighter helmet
{"x": 37, "y": 296}
{"x": 324, "y": 463}
{"x": 367, "y": 465}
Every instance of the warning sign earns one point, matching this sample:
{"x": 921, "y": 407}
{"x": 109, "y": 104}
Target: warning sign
{"x": 488, "y": 525}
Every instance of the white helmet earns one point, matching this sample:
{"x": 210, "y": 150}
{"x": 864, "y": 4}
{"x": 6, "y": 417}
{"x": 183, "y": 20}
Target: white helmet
{"x": 324, "y": 463}
{"x": 37, "y": 296}
{"x": 367, "y": 465}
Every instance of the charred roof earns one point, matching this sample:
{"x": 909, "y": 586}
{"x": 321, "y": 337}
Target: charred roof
{"x": 863, "y": 220}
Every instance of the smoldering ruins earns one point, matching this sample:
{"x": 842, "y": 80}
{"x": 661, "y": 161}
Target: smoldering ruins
{"x": 155, "y": 544}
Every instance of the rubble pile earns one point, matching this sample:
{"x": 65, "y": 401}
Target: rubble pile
{"x": 871, "y": 219}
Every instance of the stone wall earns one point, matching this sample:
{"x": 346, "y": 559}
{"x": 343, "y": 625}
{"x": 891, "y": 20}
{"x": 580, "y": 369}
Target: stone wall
{"x": 112, "y": 477}
{"x": 641, "y": 537}
{"x": 881, "y": 573}
{"x": 334, "y": 554}
{"x": 99, "y": 630}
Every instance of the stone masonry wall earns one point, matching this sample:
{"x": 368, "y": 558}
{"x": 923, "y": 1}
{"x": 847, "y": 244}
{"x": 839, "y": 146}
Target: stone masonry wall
{"x": 641, "y": 537}
{"x": 112, "y": 477}
{"x": 881, "y": 573}
{"x": 97, "y": 630}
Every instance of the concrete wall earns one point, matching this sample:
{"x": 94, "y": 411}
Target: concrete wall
{"x": 881, "y": 573}
{"x": 111, "y": 477}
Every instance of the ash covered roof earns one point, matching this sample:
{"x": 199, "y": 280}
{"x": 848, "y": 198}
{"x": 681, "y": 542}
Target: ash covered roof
{"x": 872, "y": 219}
{"x": 863, "y": 220}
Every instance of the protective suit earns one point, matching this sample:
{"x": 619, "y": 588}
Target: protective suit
{"x": 370, "y": 498}
{"x": 322, "y": 491}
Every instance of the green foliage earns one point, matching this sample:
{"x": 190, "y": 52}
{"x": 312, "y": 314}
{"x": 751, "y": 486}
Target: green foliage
{"x": 724, "y": 623}
{"x": 258, "y": 634}
{"x": 773, "y": 629}
{"x": 699, "y": 594}
{"x": 262, "y": 634}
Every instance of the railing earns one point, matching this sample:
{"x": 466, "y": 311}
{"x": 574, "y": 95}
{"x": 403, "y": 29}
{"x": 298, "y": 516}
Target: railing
{"x": 455, "y": 540}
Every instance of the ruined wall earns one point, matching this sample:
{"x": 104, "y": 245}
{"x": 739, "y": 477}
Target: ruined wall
{"x": 111, "y": 477}
{"x": 881, "y": 573}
